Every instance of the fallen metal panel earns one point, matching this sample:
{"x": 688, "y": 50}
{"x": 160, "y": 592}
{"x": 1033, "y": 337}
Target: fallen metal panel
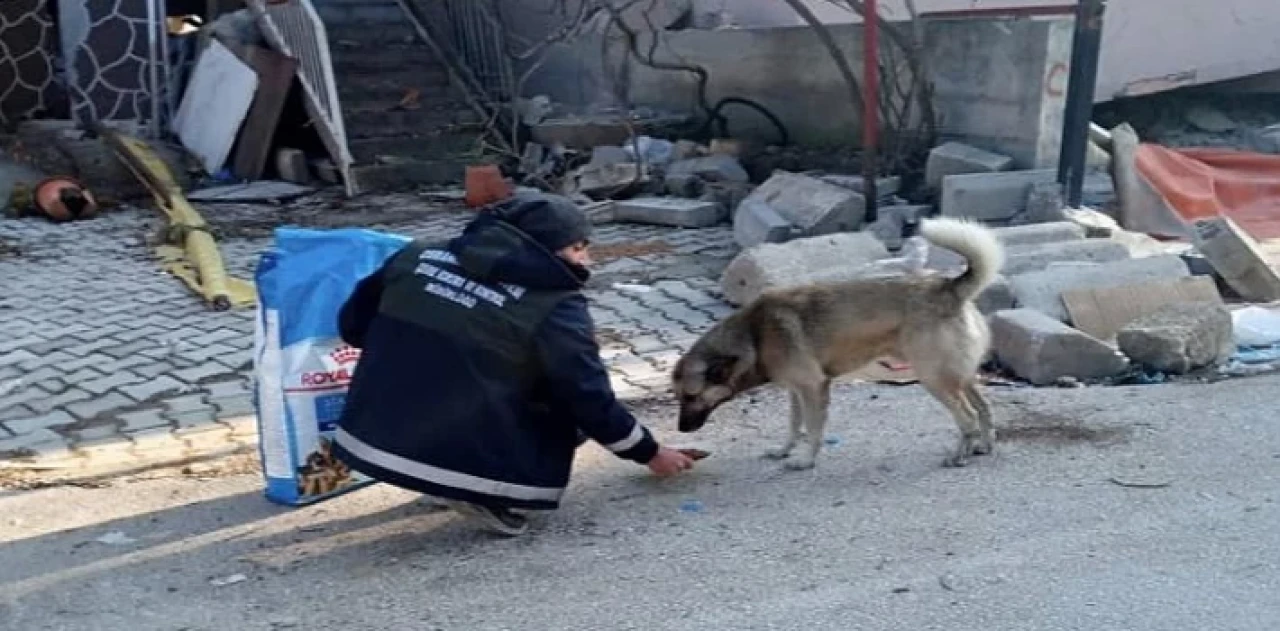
{"x": 294, "y": 28}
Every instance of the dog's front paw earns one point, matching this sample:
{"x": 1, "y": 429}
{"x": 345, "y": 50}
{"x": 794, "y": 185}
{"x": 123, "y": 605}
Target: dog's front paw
{"x": 799, "y": 463}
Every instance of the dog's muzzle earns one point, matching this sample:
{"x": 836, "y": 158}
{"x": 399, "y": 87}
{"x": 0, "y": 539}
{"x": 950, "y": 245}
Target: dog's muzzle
{"x": 692, "y": 421}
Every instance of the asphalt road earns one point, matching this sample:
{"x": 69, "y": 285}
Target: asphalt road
{"x": 1107, "y": 508}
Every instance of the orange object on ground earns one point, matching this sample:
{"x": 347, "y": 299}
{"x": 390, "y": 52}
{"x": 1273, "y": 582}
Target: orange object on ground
{"x": 64, "y": 199}
{"x": 485, "y": 185}
{"x": 1202, "y": 183}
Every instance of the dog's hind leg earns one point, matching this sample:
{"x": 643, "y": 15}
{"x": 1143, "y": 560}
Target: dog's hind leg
{"x": 793, "y": 435}
{"x": 814, "y": 401}
{"x": 947, "y": 389}
{"x": 980, "y": 404}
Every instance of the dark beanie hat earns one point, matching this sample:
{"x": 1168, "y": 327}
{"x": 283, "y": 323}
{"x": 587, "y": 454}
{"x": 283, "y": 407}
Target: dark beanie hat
{"x": 553, "y": 221}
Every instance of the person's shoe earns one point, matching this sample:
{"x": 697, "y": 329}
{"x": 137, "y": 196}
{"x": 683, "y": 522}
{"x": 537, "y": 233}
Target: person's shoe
{"x": 500, "y": 520}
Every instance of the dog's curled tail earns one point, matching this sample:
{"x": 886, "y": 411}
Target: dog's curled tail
{"x": 976, "y": 243}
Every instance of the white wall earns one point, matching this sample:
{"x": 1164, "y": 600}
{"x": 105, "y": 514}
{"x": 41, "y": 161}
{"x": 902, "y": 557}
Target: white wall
{"x": 1148, "y": 45}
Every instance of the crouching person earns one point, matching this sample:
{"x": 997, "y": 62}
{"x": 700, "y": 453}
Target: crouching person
{"x": 480, "y": 373}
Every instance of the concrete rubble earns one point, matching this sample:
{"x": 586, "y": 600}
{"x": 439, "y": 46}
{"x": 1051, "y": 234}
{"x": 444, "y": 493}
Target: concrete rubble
{"x": 799, "y": 227}
{"x": 955, "y": 158}
{"x": 797, "y": 262}
{"x": 1179, "y": 338}
{"x": 1043, "y": 350}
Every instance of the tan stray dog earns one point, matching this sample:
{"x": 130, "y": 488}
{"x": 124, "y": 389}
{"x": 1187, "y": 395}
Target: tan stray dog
{"x": 801, "y": 338}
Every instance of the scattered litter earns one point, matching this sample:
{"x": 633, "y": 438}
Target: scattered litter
{"x": 1256, "y": 326}
{"x": 901, "y": 590}
{"x": 1235, "y": 368}
{"x": 116, "y": 538}
{"x": 1129, "y": 484}
{"x": 634, "y": 288}
{"x": 231, "y": 579}
{"x": 260, "y": 191}
{"x": 1257, "y": 355}
{"x": 831, "y": 441}
{"x": 948, "y": 582}
{"x": 691, "y": 506}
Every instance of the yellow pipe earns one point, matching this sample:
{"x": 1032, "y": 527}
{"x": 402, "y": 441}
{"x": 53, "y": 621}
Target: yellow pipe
{"x": 186, "y": 226}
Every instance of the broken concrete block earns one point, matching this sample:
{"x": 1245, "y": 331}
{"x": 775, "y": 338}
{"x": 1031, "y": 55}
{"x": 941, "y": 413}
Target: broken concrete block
{"x": 1180, "y": 337}
{"x": 775, "y": 265}
{"x": 1043, "y": 350}
{"x": 998, "y": 296}
{"x": 893, "y": 221}
{"x": 992, "y": 197}
{"x": 606, "y": 154}
{"x": 727, "y": 194}
{"x": 605, "y": 180}
{"x": 712, "y": 168}
{"x": 755, "y": 222}
{"x": 811, "y": 205}
{"x": 670, "y": 211}
{"x": 1033, "y": 258}
{"x": 885, "y": 186}
{"x": 1012, "y": 237}
{"x": 1042, "y": 290}
{"x": 1095, "y": 223}
{"x": 957, "y": 158}
{"x": 1045, "y": 202}
{"x": 1236, "y": 257}
{"x": 291, "y": 164}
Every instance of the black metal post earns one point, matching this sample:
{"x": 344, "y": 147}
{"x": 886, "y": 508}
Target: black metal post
{"x": 1086, "y": 46}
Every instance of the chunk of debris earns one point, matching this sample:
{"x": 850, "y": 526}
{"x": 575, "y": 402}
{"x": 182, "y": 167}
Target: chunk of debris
{"x": 712, "y": 168}
{"x": 1179, "y": 338}
{"x": 605, "y": 180}
{"x": 291, "y": 164}
{"x": 1012, "y": 237}
{"x": 1023, "y": 259}
{"x": 1235, "y": 255}
{"x": 670, "y": 211}
{"x": 991, "y": 197}
{"x": 1045, "y": 202}
{"x": 886, "y": 187}
{"x": 957, "y": 158}
{"x": 812, "y": 206}
{"x": 1043, "y": 350}
{"x": 892, "y": 222}
{"x": 1043, "y": 290}
{"x": 1209, "y": 119}
{"x": 1103, "y": 311}
{"x": 774, "y": 265}
{"x": 756, "y": 222}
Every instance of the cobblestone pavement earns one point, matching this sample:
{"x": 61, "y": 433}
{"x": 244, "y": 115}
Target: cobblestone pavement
{"x": 106, "y": 361}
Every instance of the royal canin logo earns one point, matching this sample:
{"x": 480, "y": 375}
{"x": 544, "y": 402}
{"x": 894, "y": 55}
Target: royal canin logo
{"x": 339, "y": 364}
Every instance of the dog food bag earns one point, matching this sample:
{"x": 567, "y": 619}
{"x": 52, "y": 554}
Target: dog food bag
{"x": 302, "y": 366}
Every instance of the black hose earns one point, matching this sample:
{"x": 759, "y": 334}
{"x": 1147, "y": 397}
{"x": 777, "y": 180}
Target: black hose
{"x": 722, "y": 124}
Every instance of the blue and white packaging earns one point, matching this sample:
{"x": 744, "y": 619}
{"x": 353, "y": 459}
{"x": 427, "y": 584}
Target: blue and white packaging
{"x": 302, "y": 367}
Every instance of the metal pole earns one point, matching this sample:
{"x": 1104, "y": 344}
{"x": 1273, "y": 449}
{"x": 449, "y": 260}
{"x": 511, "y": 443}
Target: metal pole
{"x": 1086, "y": 47}
{"x": 153, "y": 60}
{"x": 871, "y": 107}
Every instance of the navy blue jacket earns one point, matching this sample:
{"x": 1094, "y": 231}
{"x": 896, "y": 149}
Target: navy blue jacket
{"x": 479, "y": 371}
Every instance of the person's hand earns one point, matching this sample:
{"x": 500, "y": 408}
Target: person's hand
{"x": 668, "y": 462}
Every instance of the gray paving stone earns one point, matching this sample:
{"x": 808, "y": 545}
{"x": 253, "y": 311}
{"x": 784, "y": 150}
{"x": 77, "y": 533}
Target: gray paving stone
{"x": 231, "y": 388}
{"x": 100, "y": 405}
{"x": 233, "y": 406}
{"x": 90, "y": 361}
{"x": 186, "y": 403}
{"x": 194, "y": 421}
{"x": 44, "y": 421}
{"x": 201, "y": 371}
{"x": 128, "y": 349}
{"x": 143, "y": 420}
{"x": 206, "y": 353}
{"x": 58, "y": 401}
{"x": 95, "y": 433}
{"x": 152, "y": 387}
{"x": 111, "y": 382}
{"x": 31, "y": 441}
{"x": 16, "y": 357}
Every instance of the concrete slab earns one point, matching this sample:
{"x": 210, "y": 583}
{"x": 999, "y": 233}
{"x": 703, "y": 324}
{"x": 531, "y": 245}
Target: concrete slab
{"x": 1042, "y": 290}
{"x": 992, "y": 197}
{"x": 774, "y": 265}
{"x": 957, "y": 158}
{"x": 1043, "y": 350}
{"x": 670, "y": 211}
